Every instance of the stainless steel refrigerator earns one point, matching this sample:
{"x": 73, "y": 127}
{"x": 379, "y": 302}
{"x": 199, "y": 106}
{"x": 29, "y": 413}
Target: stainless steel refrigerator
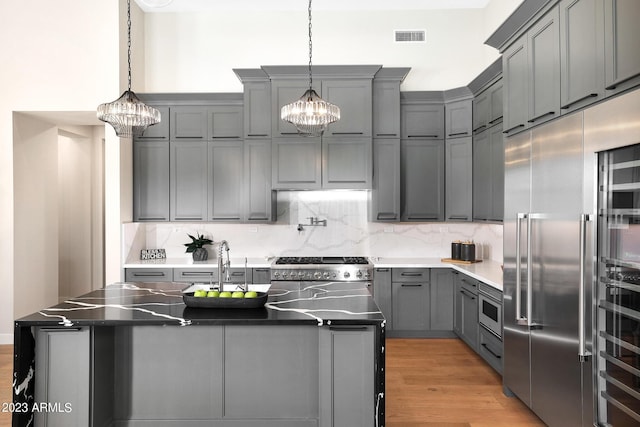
{"x": 555, "y": 356}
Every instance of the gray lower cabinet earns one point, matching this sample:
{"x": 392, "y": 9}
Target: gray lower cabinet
{"x": 151, "y": 180}
{"x": 457, "y": 302}
{"x": 188, "y": 172}
{"x": 346, "y": 163}
{"x": 259, "y": 198}
{"x": 148, "y": 274}
{"x": 622, "y": 56}
{"x": 225, "y": 177}
{"x": 422, "y": 180}
{"x": 385, "y": 197}
{"x": 202, "y": 275}
{"x": 459, "y": 179}
{"x": 467, "y": 301}
{"x": 347, "y": 372}
{"x": 410, "y": 295}
{"x": 441, "y": 302}
{"x": 297, "y": 163}
{"x": 581, "y": 53}
{"x": 63, "y": 369}
{"x": 491, "y": 349}
{"x": 261, "y": 275}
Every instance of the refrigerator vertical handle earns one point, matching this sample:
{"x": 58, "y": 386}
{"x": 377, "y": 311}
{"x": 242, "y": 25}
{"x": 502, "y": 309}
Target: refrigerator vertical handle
{"x": 583, "y": 354}
{"x": 519, "y": 318}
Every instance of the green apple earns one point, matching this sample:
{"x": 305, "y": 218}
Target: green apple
{"x": 213, "y": 294}
{"x": 225, "y": 294}
{"x": 200, "y": 293}
{"x": 237, "y": 294}
{"x": 251, "y": 294}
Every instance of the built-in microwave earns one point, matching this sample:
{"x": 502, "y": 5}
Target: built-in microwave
{"x": 490, "y": 314}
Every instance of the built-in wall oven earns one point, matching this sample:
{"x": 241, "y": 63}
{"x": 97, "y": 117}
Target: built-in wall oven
{"x": 296, "y": 272}
{"x": 490, "y": 310}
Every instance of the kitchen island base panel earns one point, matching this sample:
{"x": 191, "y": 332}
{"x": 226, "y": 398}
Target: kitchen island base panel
{"x": 229, "y": 375}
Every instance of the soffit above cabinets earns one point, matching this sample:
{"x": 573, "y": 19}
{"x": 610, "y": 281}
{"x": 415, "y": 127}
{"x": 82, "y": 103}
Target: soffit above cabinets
{"x": 253, "y": 5}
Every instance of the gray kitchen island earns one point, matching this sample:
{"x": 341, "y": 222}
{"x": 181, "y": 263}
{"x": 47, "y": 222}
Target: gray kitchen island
{"x": 133, "y": 354}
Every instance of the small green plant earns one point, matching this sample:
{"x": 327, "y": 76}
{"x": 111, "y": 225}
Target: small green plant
{"x": 197, "y": 242}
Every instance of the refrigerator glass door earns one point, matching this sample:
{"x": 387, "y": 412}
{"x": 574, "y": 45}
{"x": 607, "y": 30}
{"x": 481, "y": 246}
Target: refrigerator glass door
{"x": 618, "y": 297}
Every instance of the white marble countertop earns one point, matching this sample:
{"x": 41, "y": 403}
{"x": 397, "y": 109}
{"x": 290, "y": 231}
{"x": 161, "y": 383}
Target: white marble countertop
{"x": 190, "y": 263}
{"x": 487, "y": 271}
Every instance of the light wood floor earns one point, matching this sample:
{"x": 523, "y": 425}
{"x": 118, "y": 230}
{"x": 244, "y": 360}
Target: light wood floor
{"x": 429, "y": 383}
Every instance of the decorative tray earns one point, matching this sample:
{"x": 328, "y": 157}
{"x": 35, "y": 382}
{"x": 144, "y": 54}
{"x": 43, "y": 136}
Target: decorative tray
{"x": 459, "y": 261}
{"x": 221, "y": 302}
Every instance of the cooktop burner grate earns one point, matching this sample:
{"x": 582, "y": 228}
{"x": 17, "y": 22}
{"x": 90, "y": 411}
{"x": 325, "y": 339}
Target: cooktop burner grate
{"x": 321, "y": 260}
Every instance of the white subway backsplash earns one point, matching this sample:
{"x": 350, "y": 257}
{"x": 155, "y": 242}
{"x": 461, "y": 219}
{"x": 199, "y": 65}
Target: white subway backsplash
{"x": 348, "y": 232}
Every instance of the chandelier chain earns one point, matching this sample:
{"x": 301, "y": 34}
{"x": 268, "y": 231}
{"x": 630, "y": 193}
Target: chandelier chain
{"x": 310, "y": 48}
{"x": 129, "y": 44}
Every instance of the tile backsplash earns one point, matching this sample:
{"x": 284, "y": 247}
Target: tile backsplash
{"x": 347, "y": 232}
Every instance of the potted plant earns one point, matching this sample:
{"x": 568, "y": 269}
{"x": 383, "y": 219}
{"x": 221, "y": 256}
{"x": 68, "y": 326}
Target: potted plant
{"x": 195, "y": 247}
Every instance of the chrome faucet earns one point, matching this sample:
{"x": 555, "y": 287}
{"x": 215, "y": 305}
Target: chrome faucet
{"x": 226, "y": 266}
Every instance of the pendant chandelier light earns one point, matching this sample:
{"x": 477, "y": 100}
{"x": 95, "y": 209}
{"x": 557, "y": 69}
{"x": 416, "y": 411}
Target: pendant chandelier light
{"x": 128, "y": 115}
{"x": 310, "y": 114}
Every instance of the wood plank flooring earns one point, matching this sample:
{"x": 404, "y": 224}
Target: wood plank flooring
{"x": 429, "y": 383}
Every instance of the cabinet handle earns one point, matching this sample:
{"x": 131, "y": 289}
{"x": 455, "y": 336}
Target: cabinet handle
{"x": 152, "y": 218}
{"x": 411, "y": 285}
{"x": 470, "y": 284}
{"x": 591, "y": 95}
{"x": 258, "y": 218}
{"x": 257, "y": 134}
{"x": 550, "y": 113}
{"x": 347, "y": 328}
{"x": 347, "y": 133}
{"x": 196, "y": 273}
{"x": 431, "y": 217}
{"x": 382, "y": 270}
{"x": 468, "y": 295}
{"x": 486, "y": 347}
{"x": 626, "y": 79}
{"x": 479, "y": 127}
{"x": 150, "y": 274}
{"x": 225, "y": 137}
{"x": 422, "y": 136}
{"x": 465, "y": 217}
{"x": 188, "y": 137}
{"x": 262, "y": 270}
{"x": 188, "y": 218}
{"x": 387, "y": 216}
{"x": 289, "y": 133}
{"x": 386, "y": 134}
{"x": 408, "y": 274}
{"x": 226, "y": 218}
{"x": 458, "y": 133}
{"x": 495, "y": 120}
{"x": 237, "y": 273}
{"x": 513, "y": 128}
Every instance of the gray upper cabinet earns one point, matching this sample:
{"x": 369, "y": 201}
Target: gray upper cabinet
{"x": 544, "y": 69}
{"x": 224, "y": 122}
{"x": 495, "y": 103}
{"x": 459, "y": 179}
{"x": 257, "y": 109}
{"x": 481, "y": 108}
{"x": 497, "y": 173}
{"x": 458, "y": 122}
{"x": 488, "y": 175}
{"x": 225, "y": 178}
{"x": 284, "y": 92}
{"x": 422, "y": 121}
{"x": 188, "y": 172}
{"x": 346, "y": 163}
{"x": 258, "y": 194}
{"x": 151, "y": 180}
{"x": 354, "y": 97}
{"x": 622, "y": 56}
{"x": 422, "y": 180}
{"x": 159, "y": 130}
{"x": 297, "y": 163}
{"x": 385, "y": 197}
{"x": 188, "y": 122}
{"x": 516, "y": 89}
{"x": 386, "y": 109}
{"x": 581, "y": 53}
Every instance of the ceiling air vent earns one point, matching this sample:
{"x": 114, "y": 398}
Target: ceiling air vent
{"x": 410, "y": 36}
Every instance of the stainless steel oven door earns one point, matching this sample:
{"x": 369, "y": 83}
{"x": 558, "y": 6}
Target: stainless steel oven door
{"x": 490, "y": 314}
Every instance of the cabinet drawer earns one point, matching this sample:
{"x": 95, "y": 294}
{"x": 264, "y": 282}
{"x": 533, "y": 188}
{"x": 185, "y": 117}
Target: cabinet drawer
{"x": 148, "y": 275}
{"x": 491, "y": 349}
{"x": 410, "y": 275}
{"x": 195, "y": 274}
{"x": 490, "y": 291}
{"x": 237, "y": 275}
{"x": 469, "y": 284}
{"x": 261, "y": 275}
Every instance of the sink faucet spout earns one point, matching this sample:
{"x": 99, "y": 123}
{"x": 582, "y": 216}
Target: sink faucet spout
{"x": 223, "y": 267}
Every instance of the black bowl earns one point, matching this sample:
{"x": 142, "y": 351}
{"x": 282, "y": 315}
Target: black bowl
{"x": 207, "y": 302}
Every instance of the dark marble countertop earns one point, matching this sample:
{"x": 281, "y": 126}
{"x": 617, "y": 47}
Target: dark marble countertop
{"x": 324, "y": 303}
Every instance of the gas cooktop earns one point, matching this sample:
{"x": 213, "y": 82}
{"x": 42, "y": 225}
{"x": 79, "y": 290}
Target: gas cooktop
{"x": 344, "y": 269}
{"x": 326, "y": 260}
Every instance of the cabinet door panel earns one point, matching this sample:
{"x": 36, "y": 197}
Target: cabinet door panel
{"x": 385, "y": 197}
{"x": 346, "y": 163}
{"x": 159, "y": 130}
{"x": 458, "y": 119}
{"x": 188, "y": 123}
{"x": 382, "y": 293}
{"x": 459, "y": 179}
{"x": 355, "y": 100}
{"x": 386, "y": 109}
{"x": 495, "y": 101}
{"x": 516, "y": 89}
{"x": 481, "y": 106}
{"x": 257, "y": 174}
{"x": 151, "y": 180}
{"x": 422, "y": 121}
{"x": 257, "y": 109}
{"x": 189, "y": 188}
{"x": 297, "y": 163}
{"x": 422, "y": 180}
{"x": 225, "y": 122}
{"x": 226, "y": 180}
{"x": 496, "y": 173}
{"x": 482, "y": 176}
{"x": 544, "y": 69}
{"x": 410, "y": 306}
{"x": 470, "y": 328}
{"x": 581, "y": 53}
{"x": 441, "y": 301}
{"x": 622, "y": 66}
{"x": 283, "y": 93}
